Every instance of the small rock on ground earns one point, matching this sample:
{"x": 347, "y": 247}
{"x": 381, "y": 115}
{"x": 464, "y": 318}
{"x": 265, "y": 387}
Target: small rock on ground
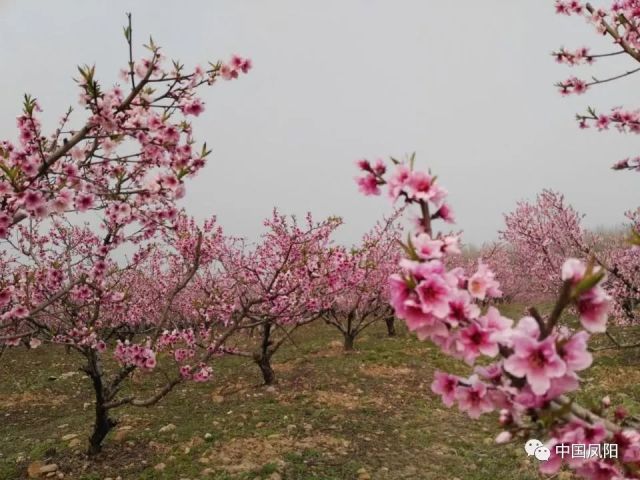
{"x": 167, "y": 428}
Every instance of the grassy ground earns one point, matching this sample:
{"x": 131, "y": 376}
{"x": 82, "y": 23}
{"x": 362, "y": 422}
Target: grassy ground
{"x": 368, "y": 414}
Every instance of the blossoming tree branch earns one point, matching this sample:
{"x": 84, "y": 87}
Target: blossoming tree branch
{"x": 534, "y": 362}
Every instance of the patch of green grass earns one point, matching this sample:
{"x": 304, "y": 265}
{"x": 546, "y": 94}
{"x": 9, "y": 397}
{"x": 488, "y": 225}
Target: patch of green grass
{"x": 312, "y": 465}
{"x": 330, "y": 416}
{"x": 7, "y": 470}
{"x": 90, "y": 476}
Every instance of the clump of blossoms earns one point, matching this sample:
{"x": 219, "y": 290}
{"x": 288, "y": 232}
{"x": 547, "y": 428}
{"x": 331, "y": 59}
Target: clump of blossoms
{"x": 140, "y": 356}
{"x": 528, "y": 366}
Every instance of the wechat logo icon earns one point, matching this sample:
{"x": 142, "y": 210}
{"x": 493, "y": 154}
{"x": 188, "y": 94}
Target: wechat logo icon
{"x": 535, "y": 448}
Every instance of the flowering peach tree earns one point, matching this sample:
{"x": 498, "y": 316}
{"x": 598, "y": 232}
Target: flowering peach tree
{"x": 544, "y": 233}
{"x": 361, "y": 289}
{"x": 283, "y": 283}
{"x": 73, "y": 201}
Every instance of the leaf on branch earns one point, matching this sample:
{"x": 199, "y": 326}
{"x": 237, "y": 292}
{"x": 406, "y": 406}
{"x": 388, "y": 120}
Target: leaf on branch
{"x": 587, "y": 283}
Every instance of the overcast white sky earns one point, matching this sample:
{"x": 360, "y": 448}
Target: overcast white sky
{"x": 468, "y": 85}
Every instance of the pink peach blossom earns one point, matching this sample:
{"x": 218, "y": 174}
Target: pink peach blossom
{"x": 538, "y": 361}
{"x": 445, "y": 385}
{"x": 473, "y": 399}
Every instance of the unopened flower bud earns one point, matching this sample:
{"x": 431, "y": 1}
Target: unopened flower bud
{"x": 621, "y": 413}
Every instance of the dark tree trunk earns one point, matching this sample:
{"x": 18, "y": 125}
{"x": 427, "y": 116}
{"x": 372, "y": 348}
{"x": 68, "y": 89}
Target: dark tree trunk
{"x": 268, "y": 374}
{"x": 350, "y": 332}
{"x": 391, "y": 326}
{"x": 349, "y": 340}
{"x": 263, "y": 357}
{"x": 628, "y": 307}
{"x": 103, "y": 424}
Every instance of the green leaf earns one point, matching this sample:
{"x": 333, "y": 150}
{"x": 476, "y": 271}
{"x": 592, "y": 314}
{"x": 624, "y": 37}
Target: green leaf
{"x": 205, "y": 153}
{"x": 410, "y": 249}
{"x": 28, "y": 104}
{"x": 412, "y": 160}
{"x": 127, "y": 33}
{"x": 587, "y": 283}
